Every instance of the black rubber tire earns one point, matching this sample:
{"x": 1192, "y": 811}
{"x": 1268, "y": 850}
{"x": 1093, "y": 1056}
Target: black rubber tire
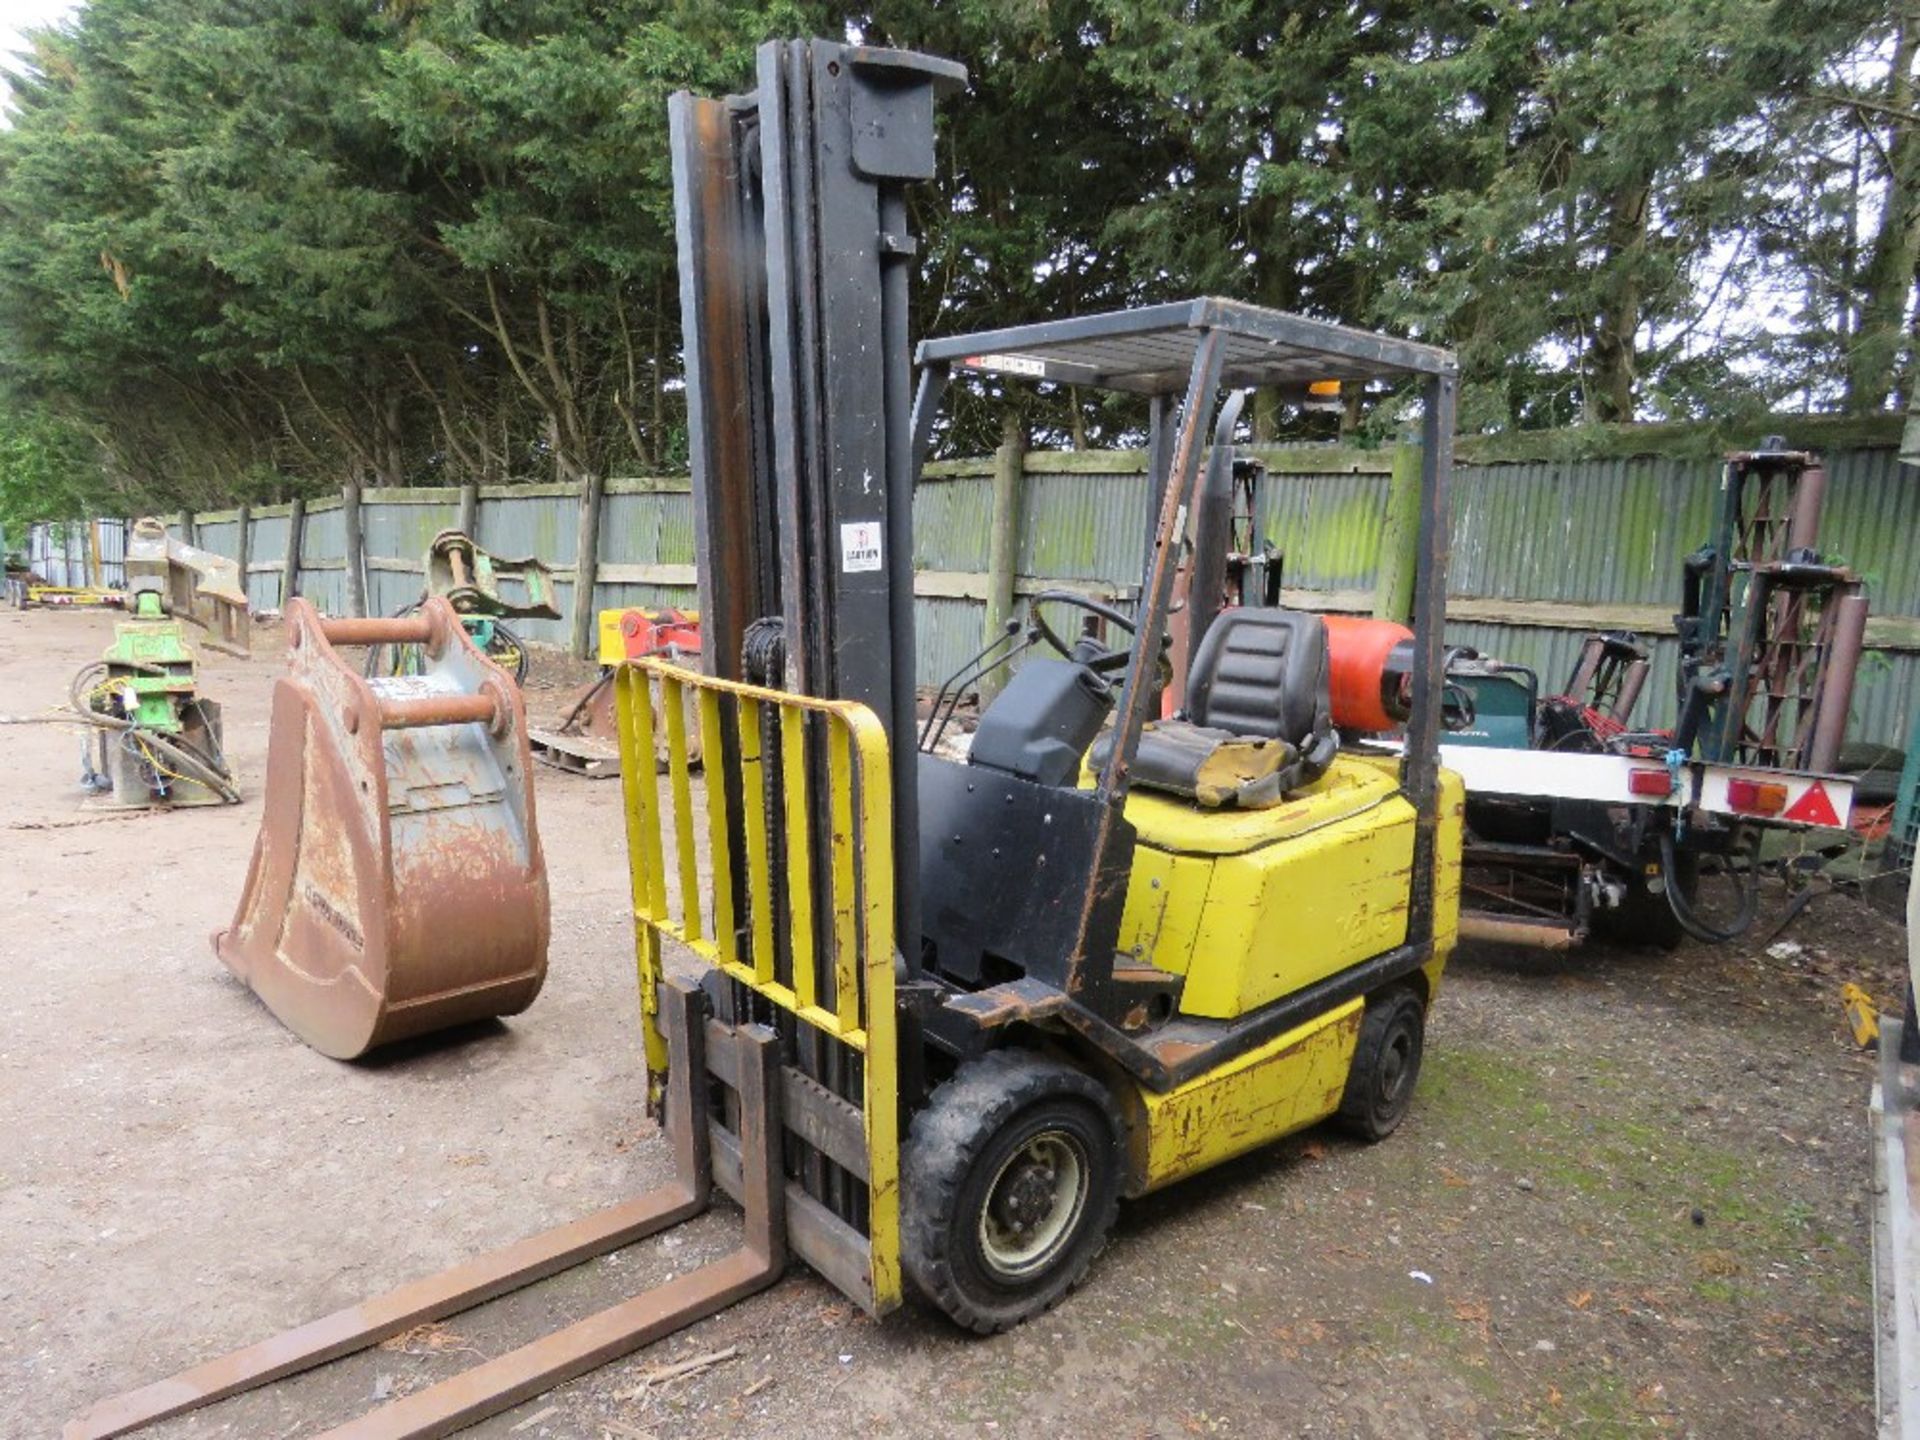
{"x": 1386, "y": 1064}
{"x": 1875, "y": 769}
{"x": 972, "y": 1129}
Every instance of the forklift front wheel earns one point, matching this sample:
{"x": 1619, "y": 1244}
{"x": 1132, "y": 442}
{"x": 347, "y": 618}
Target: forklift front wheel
{"x": 1011, "y": 1179}
{"x": 1386, "y": 1064}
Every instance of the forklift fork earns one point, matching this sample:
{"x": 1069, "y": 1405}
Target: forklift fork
{"x": 505, "y": 1381}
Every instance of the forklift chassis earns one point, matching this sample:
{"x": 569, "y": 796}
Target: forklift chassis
{"x": 927, "y": 1021}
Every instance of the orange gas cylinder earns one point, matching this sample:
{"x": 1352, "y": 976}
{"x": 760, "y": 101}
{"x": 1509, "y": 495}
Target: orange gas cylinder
{"x": 1368, "y": 661}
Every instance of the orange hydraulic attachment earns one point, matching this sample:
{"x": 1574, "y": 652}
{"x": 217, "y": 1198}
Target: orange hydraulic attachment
{"x": 645, "y": 633}
{"x": 397, "y": 886}
{"x": 1366, "y": 673}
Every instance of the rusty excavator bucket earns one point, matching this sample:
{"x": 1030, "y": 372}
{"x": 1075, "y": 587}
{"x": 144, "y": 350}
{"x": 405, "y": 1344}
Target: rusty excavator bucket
{"x": 397, "y": 886}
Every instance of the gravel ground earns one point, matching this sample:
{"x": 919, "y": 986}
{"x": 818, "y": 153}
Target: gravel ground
{"x": 1631, "y": 1198}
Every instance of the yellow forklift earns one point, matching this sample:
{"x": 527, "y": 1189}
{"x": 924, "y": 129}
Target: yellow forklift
{"x": 929, "y": 1020}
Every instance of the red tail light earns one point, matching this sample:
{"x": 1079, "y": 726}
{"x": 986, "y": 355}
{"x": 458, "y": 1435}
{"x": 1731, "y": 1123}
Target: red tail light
{"x": 1650, "y": 782}
{"x": 1756, "y": 797}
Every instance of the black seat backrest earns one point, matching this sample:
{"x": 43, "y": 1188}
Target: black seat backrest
{"x": 1262, "y": 671}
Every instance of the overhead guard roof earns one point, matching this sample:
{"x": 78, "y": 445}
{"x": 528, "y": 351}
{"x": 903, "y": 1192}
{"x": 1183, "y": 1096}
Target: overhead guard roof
{"x": 1149, "y": 351}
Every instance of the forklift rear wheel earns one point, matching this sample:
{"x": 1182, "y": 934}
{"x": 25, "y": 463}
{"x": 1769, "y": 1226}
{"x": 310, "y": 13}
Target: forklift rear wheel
{"x": 1011, "y": 1180}
{"x": 1386, "y": 1064}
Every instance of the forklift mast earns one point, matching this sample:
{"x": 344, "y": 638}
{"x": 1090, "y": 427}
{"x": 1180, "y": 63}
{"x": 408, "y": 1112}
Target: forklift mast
{"x": 790, "y": 205}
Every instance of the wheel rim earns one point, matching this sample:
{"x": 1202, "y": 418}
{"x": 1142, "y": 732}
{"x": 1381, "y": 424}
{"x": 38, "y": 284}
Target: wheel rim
{"x": 1034, "y": 1204}
{"x": 1396, "y": 1068}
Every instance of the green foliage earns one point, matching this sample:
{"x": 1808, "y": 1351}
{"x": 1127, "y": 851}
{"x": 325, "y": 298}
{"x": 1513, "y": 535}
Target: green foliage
{"x": 251, "y": 249}
{"x": 47, "y": 472}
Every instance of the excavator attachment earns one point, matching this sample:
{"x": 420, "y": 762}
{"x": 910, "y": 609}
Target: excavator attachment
{"x": 193, "y": 584}
{"x": 478, "y": 582}
{"x": 586, "y": 741}
{"x": 397, "y": 886}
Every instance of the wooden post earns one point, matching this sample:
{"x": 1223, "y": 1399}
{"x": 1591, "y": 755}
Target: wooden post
{"x": 96, "y": 571}
{"x": 469, "y": 521}
{"x": 586, "y": 567}
{"x": 356, "y": 548}
{"x": 1003, "y": 546}
{"x": 243, "y": 550}
{"x": 1399, "y": 538}
{"x": 296, "y": 531}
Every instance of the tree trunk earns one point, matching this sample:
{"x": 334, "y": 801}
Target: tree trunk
{"x": 1613, "y": 354}
{"x": 392, "y": 469}
{"x": 1888, "y": 280}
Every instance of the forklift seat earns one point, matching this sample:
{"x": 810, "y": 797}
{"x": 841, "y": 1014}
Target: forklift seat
{"x": 1259, "y": 714}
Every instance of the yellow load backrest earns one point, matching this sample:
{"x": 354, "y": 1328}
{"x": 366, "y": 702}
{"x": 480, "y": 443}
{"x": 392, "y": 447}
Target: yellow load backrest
{"x": 794, "y": 908}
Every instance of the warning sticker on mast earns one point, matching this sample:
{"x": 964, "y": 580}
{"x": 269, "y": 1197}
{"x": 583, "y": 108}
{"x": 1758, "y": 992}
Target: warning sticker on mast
{"x": 860, "y": 546}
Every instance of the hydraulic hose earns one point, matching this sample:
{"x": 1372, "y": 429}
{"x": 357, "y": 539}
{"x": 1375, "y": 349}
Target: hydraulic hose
{"x": 1683, "y": 911}
{"x": 186, "y": 762}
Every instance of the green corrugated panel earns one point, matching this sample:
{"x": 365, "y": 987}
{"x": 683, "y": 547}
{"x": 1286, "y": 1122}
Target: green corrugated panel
{"x": 396, "y": 531}
{"x": 323, "y": 536}
{"x": 1904, "y": 838}
{"x": 952, "y": 522}
{"x": 1328, "y": 526}
{"x": 222, "y": 538}
{"x": 546, "y": 526}
{"x": 946, "y": 634}
{"x": 1083, "y": 527}
{"x": 1872, "y": 520}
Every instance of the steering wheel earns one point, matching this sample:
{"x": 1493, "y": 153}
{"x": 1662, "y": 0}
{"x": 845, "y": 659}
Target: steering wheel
{"x": 1108, "y": 660}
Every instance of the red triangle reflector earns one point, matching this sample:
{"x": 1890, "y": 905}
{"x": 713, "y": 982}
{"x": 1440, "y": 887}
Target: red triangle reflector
{"x": 1813, "y": 808}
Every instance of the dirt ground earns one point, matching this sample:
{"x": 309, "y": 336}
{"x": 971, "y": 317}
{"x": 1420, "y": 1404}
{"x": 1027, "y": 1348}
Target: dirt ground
{"x": 1632, "y": 1197}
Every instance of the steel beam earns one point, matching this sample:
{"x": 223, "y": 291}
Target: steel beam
{"x": 1420, "y": 766}
{"x": 507, "y": 1380}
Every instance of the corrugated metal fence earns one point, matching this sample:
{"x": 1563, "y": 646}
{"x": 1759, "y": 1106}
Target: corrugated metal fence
{"x": 1542, "y": 550}
{"x": 79, "y": 552}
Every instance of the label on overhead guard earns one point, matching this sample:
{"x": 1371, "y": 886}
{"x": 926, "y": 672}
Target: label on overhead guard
{"x": 859, "y": 546}
{"x": 1008, "y": 364}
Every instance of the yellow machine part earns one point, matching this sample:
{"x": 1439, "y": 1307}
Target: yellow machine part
{"x": 613, "y": 645}
{"x": 1291, "y": 1082}
{"x": 1863, "y": 1015}
{"x": 1252, "y": 905}
{"x": 612, "y": 636}
{"x": 758, "y": 733}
